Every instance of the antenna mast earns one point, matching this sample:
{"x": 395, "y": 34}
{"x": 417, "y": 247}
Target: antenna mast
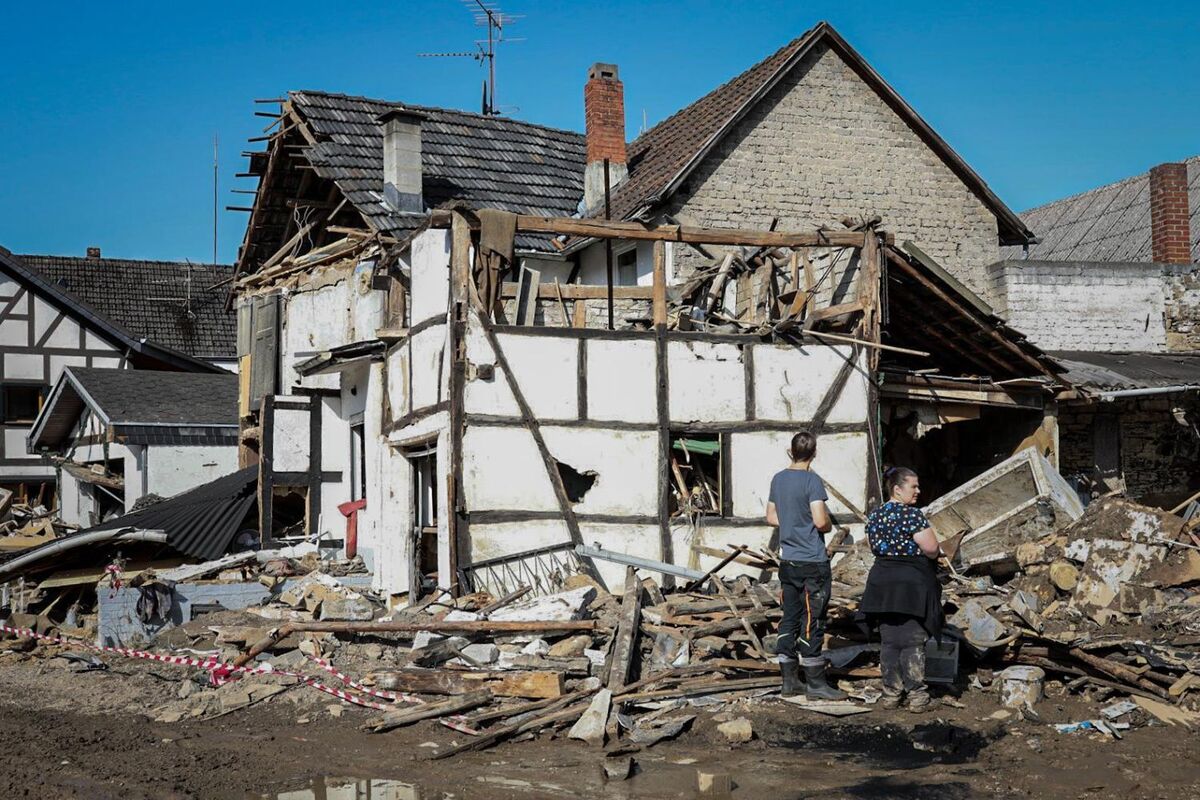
{"x": 214, "y": 261}
{"x": 490, "y": 15}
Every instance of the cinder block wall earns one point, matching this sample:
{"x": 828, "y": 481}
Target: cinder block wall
{"x": 822, "y": 146}
{"x": 1090, "y": 306}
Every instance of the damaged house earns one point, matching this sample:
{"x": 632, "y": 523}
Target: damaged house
{"x": 118, "y": 436}
{"x": 95, "y": 312}
{"x": 1112, "y": 290}
{"x": 445, "y": 345}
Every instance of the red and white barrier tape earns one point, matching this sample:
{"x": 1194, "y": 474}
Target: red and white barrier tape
{"x": 220, "y": 673}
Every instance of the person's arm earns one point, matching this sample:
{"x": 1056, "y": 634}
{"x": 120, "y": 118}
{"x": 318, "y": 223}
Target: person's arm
{"x": 772, "y": 515}
{"x": 927, "y": 540}
{"x": 820, "y": 516}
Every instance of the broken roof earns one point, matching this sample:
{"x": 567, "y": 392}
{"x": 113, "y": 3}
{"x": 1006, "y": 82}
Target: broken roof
{"x": 1099, "y": 371}
{"x": 1110, "y": 223}
{"x": 487, "y": 162}
{"x": 172, "y": 303}
{"x": 662, "y": 158}
{"x": 141, "y": 405}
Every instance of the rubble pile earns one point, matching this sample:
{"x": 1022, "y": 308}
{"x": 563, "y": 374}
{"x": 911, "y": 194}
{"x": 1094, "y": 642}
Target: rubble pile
{"x": 1105, "y": 607}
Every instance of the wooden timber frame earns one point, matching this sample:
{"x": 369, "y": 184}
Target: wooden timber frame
{"x": 465, "y": 301}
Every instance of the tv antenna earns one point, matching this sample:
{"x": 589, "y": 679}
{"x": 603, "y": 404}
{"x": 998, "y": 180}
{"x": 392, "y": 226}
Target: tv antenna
{"x": 486, "y": 14}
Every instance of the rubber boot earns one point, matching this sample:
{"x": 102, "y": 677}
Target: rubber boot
{"x": 817, "y": 687}
{"x": 793, "y": 684}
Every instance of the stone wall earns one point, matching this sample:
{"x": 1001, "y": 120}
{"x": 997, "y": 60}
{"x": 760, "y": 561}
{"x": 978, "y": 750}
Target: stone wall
{"x": 823, "y": 145}
{"x": 1073, "y": 305}
{"x": 1181, "y": 293}
{"x": 1159, "y": 457}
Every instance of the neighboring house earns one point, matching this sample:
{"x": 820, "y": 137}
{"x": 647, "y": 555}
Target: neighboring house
{"x": 1112, "y": 288}
{"x": 370, "y": 379}
{"x": 117, "y": 435}
{"x": 58, "y": 311}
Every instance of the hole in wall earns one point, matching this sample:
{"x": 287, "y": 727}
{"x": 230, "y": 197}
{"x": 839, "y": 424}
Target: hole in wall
{"x": 575, "y": 482}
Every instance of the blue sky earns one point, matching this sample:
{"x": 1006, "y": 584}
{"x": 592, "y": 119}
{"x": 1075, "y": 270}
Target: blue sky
{"x": 109, "y": 109}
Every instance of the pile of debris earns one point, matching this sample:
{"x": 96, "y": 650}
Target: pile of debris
{"x": 25, "y": 525}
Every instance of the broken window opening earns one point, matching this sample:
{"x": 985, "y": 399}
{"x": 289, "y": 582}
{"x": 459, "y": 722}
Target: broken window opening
{"x": 697, "y": 475}
{"x": 21, "y": 402}
{"x": 289, "y": 512}
{"x": 424, "y": 517}
{"x": 575, "y": 482}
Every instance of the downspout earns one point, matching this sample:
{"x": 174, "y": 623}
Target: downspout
{"x": 1108, "y": 397}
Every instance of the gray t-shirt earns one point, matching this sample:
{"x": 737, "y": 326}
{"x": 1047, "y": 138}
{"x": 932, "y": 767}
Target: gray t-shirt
{"x": 792, "y": 490}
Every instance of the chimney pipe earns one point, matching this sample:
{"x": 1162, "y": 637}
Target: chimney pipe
{"x": 93, "y": 252}
{"x": 604, "y": 120}
{"x": 1170, "y": 218}
{"x": 402, "y": 174}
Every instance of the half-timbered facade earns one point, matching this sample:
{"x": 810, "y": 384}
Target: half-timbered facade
{"x": 45, "y": 327}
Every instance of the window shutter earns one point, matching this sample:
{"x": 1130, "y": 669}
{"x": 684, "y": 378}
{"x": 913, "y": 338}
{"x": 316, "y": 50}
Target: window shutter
{"x": 264, "y": 354}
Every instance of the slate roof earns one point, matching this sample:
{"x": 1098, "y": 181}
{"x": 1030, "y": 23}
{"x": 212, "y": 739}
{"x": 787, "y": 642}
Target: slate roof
{"x": 1100, "y": 371}
{"x": 1109, "y": 223}
{"x": 142, "y": 405}
{"x": 662, "y": 157}
{"x": 127, "y": 396}
{"x": 486, "y": 162}
{"x": 146, "y": 299}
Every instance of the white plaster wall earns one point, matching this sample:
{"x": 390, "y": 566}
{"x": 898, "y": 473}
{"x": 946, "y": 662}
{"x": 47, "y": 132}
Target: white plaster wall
{"x": 790, "y": 382}
{"x": 20, "y": 366}
{"x": 171, "y": 469}
{"x": 368, "y": 381}
{"x": 430, "y": 275}
{"x": 315, "y": 320}
{"x": 389, "y": 538}
{"x": 625, "y": 463}
{"x": 593, "y": 269}
{"x": 335, "y": 457}
{"x": 621, "y": 380}
{"x": 546, "y": 369}
{"x": 496, "y": 539}
{"x": 634, "y": 540}
{"x": 502, "y": 469}
{"x": 549, "y": 269}
{"x": 841, "y": 461}
{"x": 430, "y": 378}
{"x": 397, "y": 380}
{"x": 290, "y": 437}
{"x": 707, "y": 382}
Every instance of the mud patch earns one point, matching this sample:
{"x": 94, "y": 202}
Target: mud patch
{"x": 890, "y": 746}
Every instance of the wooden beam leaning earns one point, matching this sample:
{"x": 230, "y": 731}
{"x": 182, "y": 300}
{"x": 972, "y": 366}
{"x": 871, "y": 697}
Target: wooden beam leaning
{"x": 625, "y": 640}
{"x": 941, "y": 294}
{"x": 604, "y": 229}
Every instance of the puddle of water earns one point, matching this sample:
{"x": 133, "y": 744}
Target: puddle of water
{"x": 353, "y": 789}
{"x": 890, "y": 745}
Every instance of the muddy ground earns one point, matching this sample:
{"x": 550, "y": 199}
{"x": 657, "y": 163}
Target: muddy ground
{"x": 69, "y": 734}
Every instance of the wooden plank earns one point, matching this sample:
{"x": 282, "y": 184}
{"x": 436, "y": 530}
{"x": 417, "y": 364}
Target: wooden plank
{"x": 407, "y": 716}
{"x": 576, "y": 291}
{"x": 608, "y": 229}
{"x": 717, "y": 290}
{"x": 625, "y": 641}
{"x": 660, "y": 284}
{"x": 829, "y": 312}
{"x": 534, "y": 684}
{"x": 837, "y": 337}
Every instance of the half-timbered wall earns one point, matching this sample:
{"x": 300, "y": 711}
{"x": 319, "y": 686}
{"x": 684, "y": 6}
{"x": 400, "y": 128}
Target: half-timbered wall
{"x": 37, "y": 339}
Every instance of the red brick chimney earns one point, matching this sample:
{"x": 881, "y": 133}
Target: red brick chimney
{"x": 1170, "y": 232}
{"x": 604, "y": 119}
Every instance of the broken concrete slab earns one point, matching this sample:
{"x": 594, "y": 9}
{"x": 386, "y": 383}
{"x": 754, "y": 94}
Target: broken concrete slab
{"x": 562, "y": 606}
{"x": 1111, "y": 563}
{"x": 980, "y": 628}
{"x": 590, "y": 726}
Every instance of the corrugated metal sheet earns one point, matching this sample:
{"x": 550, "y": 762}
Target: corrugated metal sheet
{"x": 202, "y": 522}
{"x": 1115, "y": 371}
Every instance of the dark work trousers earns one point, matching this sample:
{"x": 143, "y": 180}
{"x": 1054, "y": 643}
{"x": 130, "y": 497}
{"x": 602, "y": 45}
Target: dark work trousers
{"x": 902, "y": 655}
{"x": 806, "y": 586}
